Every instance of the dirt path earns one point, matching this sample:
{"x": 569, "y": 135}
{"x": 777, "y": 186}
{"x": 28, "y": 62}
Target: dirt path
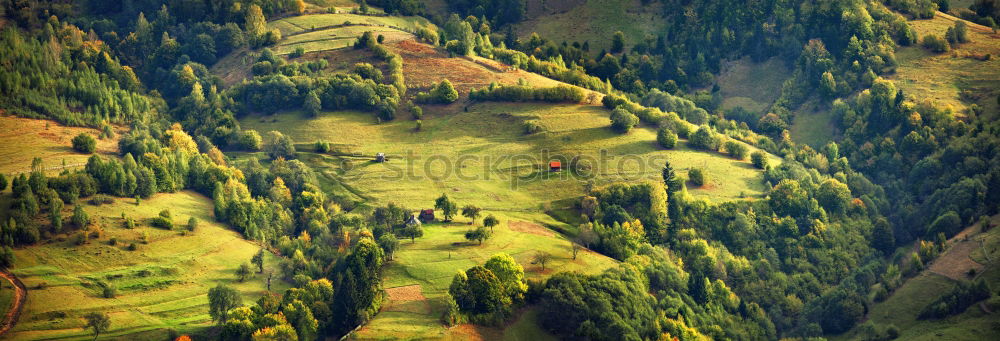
{"x": 20, "y": 296}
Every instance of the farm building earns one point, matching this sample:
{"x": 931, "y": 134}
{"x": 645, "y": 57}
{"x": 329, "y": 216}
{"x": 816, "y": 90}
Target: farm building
{"x": 412, "y": 221}
{"x": 555, "y": 166}
{"x": 380, "y": 157}
{"x": 427, "y": 215}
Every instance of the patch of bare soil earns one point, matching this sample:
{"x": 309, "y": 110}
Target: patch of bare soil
{"x": 407, "y": 299}
{"x": 532, "y": 228}
{"x": 956, "y": 262}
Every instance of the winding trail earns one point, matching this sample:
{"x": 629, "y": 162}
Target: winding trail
{"x": 20, "y": 296}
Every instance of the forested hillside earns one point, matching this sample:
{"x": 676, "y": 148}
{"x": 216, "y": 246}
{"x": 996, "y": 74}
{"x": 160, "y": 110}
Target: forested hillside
{"x": 496, "y": 169}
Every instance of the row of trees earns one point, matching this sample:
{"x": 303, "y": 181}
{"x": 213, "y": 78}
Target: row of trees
{"x": 526, "y": 93}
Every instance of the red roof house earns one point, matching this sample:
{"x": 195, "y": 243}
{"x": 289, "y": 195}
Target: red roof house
{"x": 555, "y": 166}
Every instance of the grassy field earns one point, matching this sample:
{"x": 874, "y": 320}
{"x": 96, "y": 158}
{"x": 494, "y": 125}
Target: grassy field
{"x": 431, "y": 262}
{"x": 163, "y": 285}
{"x": 298, "y": 24}
{"x": 481, "y": 157}
{"x": 944, "y": 77}
{"x": 753, "y": 86}
{"x": 22, "y": 139}
{"x": 334, "y": 38}
{"x": 592, "y": 20}
{"x": 813, "y": 125}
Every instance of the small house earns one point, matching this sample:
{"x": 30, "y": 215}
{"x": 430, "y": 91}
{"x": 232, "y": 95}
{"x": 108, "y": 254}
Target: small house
{"x": 555, "y": 166}
{"x": 412, "y": 221}
{"x": 427, "y": 215}
{"x": 380, "y": 157}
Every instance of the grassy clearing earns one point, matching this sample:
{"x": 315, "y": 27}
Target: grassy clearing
{"x": 813, "y": 125}
{"x": 944, "y": 77}
{"x": 163, "y": 285}
{"x": 22, "y": 139}
{"x": 481, "y": 157}
{"x": 334, "y": 38}
{"x": 753, "y": 86}
{"x": 594, "y": 21}
{"x": 433, "y": 260}
{"x": 299, "y": 24}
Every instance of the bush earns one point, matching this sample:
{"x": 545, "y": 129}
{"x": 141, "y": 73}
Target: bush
{"x": 704, "y": 138}
{"x": 523, "y": 93}
{"x": 132, "y": 247}
{"x": 622, "y": 120}
{"x": 440, "y": 93}
{"x": 84, "y": 143}
{"x": 101, "y": 199}
{"x": 759, "y": 159}
{"x": 533, "y": 127}
{"x": 936, "y": 44}
{"x": 162, "y": 222}
{"x": 322, "y": 147}
{"x": 736, "y": 150}
{"x": 192, "y": 224}
{"x": 666, "y": 138}
{"x": 79, "y": 238}
{"x": 109, "y": 291}
{"x": 298, "y": 52}
{"x": 697, "y": 176}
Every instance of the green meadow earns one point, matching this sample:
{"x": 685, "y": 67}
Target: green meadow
{"x": 162, "y": 285}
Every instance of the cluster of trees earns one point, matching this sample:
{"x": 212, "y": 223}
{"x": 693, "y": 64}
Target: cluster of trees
{"x": 488, "y": 293}
{"x": 65, "y": 74}
{"x": 440, "y": 93}
{"x": 525, "y": 93}
{"x": 955, "y": 302}
{"x": 500, "y": 12}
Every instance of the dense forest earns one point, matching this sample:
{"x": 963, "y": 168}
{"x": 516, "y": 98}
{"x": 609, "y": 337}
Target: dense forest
{"x": 831, "y": 237}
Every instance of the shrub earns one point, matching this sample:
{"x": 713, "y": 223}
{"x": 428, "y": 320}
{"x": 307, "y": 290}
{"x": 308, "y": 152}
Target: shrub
{"x": 79, "y": 238}
{"x": 736, "y": 150}
{"x": 759, "y": 159}
{"x": 322, "y": 147}
{"x": 697, "y": 176}
{"x": 109, "y": 291}
{"x": 101, "y": 199}
{"x": 666, "y": 138}
{"x": 129, "y": 223}
{"x": 161, "y": 222}
{"x": 533, "y": 127}
{"x": 440, "y": 93}
{"x": 683, "y": 130}
{"x": 298, "y": 52}
{"x": 936, "y": 44}
{"x": 622, "y": 120}
{"x": 113, "y": 241}
{"x": 192, "y": 224}
{"x": 84, "y": 143}
{"x": 704, "y": 138}
{"x": 132, "y": 247}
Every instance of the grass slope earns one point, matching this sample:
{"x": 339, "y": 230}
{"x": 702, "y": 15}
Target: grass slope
{"x": 481, "y": 157}
{"x": 164, "y": 284}
{"x": 944, "y": 77}
{"x": 432, "y": 261}
{"x": 22, "y": 139}
{"x": 303, "y": 23}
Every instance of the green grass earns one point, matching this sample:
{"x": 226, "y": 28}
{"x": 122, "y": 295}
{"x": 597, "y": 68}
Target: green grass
{"x": 22, "y": 139}
{"x": 491, "y": 163}
{"x": 161, "y": 285}
{"x": 329, "y": 39}
{"x": 595, "y": 21}
{"x": 432, "y": 262}
{"x": 813, "y": 126}
{"x": 753, "y": 86}
{"x": 303, "y": 23}
{"x": 943, "y": 77}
